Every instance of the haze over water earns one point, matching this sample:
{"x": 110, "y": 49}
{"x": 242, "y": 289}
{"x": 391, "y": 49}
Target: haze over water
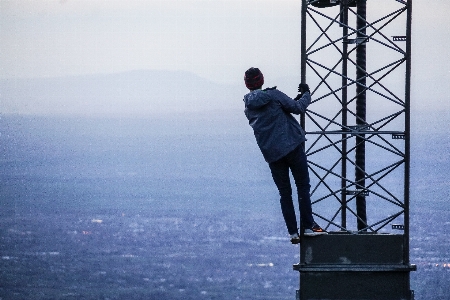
{"x": 168, "y": 208}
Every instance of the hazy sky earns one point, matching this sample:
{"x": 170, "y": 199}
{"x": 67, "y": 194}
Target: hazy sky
{"x": 216, "y": 39}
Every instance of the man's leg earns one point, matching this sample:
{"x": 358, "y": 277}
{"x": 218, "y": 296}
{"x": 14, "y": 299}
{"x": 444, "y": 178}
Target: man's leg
{"x": 280, "y": 175}
{"x": 299, "y": 167}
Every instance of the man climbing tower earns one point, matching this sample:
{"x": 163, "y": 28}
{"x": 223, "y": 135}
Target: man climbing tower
{"x": 280, "y": 139}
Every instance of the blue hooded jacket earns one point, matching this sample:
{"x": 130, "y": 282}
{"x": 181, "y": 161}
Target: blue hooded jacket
{"x": 277, "y": 132}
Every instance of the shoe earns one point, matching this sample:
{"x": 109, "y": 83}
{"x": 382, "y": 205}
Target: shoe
{"x": 295, "y": 239}
{"x": 315, "y": 230}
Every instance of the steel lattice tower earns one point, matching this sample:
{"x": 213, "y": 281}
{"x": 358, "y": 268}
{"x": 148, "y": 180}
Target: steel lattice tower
{"x": 356, "y": 58}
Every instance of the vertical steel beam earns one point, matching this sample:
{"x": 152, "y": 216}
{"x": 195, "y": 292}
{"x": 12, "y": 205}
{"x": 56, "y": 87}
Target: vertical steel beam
{"x": 344, "y": 21}
{"x": 407, "y": 127}
{"x": 360, "y": 155}
{"x": 303, "y": 53}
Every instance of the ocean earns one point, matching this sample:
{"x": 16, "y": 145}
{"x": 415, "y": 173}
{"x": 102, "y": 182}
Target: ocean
{"x": 173, "y": 207}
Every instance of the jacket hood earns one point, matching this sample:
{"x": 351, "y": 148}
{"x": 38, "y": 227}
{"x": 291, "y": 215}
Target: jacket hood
{"x": 256, "y": 99}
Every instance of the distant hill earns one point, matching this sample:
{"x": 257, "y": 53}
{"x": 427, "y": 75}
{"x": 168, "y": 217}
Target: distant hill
{"x": 128, "y": 93}
{"x": 149, "y": 92}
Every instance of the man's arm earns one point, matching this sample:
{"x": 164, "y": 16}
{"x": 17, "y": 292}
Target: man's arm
{"x": 292, "y": 106}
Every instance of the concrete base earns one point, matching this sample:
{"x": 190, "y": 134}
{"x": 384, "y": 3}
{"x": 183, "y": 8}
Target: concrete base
{"x": 347, "y": 266}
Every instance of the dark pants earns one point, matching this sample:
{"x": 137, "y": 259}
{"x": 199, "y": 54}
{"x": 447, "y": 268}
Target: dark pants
{"x": 296, "y": 162}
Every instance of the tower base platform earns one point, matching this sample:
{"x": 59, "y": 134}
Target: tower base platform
{"x": 354, "y": 266}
